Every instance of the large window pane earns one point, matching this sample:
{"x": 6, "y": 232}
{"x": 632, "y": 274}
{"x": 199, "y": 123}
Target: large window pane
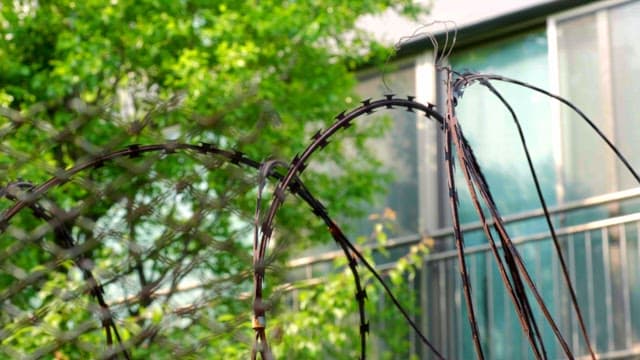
{"x": 579, "y": 67}
{"x": 491, "y": 130}
{"x": 599, "y": 68}
{"x": 625, "y": 57}
{"x": 397, "y": 150}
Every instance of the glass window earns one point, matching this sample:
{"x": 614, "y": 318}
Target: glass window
{"x": 625, "y": 76}
{"x": 397, "y": 150}
{"x": 493, "y": 135}
{"x": 491, "y": 130}
{"x": 599, "y": 71}
{"x": 599, "y": 67}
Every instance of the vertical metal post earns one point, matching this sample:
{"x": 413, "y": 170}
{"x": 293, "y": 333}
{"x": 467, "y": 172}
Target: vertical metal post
{"x": 626, "y": 302}
{"x": 572, "y": 274}
{"x": 557, "y": 298}
{"x": 458, "y": 313}
{"x": 490, "y": 315}
{"x": 556, "y": 135}
{"x": 442, "y": 291}
{"x": 590, "y": 289}
{"x": 607, "y": 288}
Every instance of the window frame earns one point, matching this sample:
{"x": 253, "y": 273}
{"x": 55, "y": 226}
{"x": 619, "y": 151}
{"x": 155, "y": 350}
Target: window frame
{"x": 600, "y": 11}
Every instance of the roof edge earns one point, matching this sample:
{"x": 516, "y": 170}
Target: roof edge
{"x": 508, "y": 23}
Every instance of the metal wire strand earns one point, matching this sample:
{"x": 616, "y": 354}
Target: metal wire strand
{"x": 64, "y": 239}
{"x": 511, "y": 253}
{"x": 320, "y": 140}
{"x": 545, "y": 209}
{"x": 449, "y": 127}
{"x": 297, "y": 187}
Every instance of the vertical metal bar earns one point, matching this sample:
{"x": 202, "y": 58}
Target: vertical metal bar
{"x": 557, "y": 303}
{"x": 556, "y": 111}
{"x": 626, "y": 302}
{"x": 424, "y": 304}
{"x": 607, "y": 288}
{"x": 508, "y": 310}
{"x": 412, "y": 334}
{"x": 538, "y": 264}
{"x": 524, "y": 348}
{"x": 488, "y": 261}
{"x": 443, "y": 304}
{"x": 524, "y": 345}
{"x": 572, "y": 276}
{"x": 459, "y": 317}
{"x": 590, "y": 290}
{"x": 381, "y": 305}
{"x": 638, "y": 237}
{"x": 606, "y": 92}
{"x": 454, "y": 313}
{"x": 427, "y": 132}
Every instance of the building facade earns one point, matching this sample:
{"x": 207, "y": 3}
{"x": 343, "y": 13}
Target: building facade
{"x": 587, "y": 52}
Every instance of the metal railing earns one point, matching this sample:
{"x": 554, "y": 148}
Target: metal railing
{"x": 600, "y": 237}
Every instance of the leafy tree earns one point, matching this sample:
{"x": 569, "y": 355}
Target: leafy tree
{"x": 80, "y": 78}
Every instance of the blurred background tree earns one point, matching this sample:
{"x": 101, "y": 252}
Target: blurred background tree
{"x": 169, "y": 236}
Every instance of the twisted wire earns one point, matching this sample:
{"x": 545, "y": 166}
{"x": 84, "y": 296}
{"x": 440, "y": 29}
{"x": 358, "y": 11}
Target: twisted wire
{"x": 468, "y": 79}
{"x": 514, "y": 281}
{"x": 321, "y": 140}
{"x": 449, "y": 127}
{"x": 235, "y": 157}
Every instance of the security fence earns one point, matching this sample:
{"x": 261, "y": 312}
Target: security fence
{"x": 163, "y": 262}
{"x": 600, "y": 237}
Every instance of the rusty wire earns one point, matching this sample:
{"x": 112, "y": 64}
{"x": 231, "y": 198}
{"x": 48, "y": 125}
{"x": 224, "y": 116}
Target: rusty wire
{"x": 475, "y": 181}
{"x": 299, "y": 164}
{"x": 464, "y": 80}
{"x": 34, "y": 193}
{"x": 512, "y": 269}
{"x": 65, "y": 240}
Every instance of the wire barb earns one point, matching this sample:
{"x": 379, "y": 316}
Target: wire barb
{"x": 514, "y": 274}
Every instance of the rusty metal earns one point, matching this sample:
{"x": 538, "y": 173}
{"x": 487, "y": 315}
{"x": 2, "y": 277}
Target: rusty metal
{"x": 512, "y": 270}
{"x": 475, "y": 182}
{"x": 466, "y": 79}
{"x": 35, "y": 193}
{"x": 298, "y": 165}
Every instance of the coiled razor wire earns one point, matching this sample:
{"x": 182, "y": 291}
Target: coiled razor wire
{"x": 475, "y": 181}
{"x": 512, "y": 269}
{"x": 34, "y": 193}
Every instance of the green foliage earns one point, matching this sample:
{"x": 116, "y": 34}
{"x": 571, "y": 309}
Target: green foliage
{"x": 83, "y": 77}
{"x": 325, "y": 322}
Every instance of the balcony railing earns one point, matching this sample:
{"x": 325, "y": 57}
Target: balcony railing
{"x": 600, "y": 238}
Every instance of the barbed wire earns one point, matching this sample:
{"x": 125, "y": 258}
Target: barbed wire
{"x": 298, "y": 165}
{"x": 35, "y": 193}
{"x": 457, "y": 87}
{"x": 512, "y": 269}
{"x": 475, "y": 180}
